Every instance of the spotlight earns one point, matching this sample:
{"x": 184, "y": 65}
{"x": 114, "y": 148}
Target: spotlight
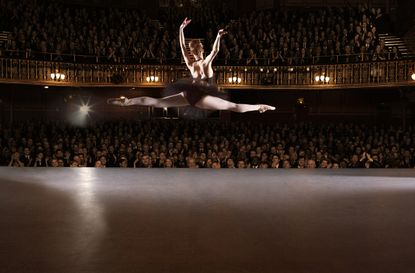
{"x": 413, "y": 76}
{"x": 317, "y": 78}
{"x": 46, "y": 87}
{"x": 261, "y": 69}
{"x": 322, "y": 78}
{"x": 122, "y": 97}
{"x": 327, "y": 79}
{"x": 230, "y": 79}
{"x": 84, "y": 109}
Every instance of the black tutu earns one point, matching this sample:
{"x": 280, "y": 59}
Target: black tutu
{"x": 194, "y": 89}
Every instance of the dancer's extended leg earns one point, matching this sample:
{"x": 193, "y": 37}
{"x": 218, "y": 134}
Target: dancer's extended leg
{"x": 177, "y": 100}
{"x": 216, "y": 103}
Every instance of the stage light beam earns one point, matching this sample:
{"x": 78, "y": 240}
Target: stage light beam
{"x": 84, "y": 109}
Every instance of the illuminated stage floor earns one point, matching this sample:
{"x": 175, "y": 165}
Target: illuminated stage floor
{"x": 191, "y": 221}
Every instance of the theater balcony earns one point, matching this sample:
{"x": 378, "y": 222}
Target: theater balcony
{"x": 391, "y": 73}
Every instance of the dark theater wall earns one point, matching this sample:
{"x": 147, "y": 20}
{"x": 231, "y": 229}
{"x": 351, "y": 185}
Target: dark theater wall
{"x": 371, "y": 105}
{"x": 20, "y": 102}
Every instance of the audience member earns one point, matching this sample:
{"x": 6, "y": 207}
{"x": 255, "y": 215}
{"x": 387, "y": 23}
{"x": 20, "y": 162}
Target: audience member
{"x": 207, "y": 144}
{"x": 56, "y": 31}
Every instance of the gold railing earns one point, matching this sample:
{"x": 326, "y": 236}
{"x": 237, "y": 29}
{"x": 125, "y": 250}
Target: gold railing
{"x": 371, "y": 74}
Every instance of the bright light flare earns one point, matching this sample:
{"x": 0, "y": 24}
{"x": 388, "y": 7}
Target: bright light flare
{"x": 85, "y": 109}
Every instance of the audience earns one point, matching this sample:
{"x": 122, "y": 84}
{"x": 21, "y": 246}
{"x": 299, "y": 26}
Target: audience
{"x": 206, "y": 144}
{"x": 56, "y": 31}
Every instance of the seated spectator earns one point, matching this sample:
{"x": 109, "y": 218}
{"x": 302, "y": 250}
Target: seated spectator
{"x": 115, "y": 36}
{"x": 15, "y": 160}
{"x": 158, "y": 144}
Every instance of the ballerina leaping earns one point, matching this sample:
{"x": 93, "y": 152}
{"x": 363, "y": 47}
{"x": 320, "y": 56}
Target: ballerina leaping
{"x": 200, "y": 91}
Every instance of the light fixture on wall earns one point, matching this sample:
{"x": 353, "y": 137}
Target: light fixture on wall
{"x": 57, "y": 76}
{"x": 322, "y": 79}
{"x": 234, "y": 80}
{"x": 300, "y": 101}
{"x": 152, "y": 79}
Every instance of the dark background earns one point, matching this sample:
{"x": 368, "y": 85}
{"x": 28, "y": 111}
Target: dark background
{"x": 376, "y": 105}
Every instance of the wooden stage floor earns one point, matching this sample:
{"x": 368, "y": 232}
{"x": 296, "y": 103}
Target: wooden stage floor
{"x": 213, "y": 221}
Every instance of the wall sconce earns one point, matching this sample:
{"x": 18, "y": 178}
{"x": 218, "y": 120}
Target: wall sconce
{"x": 300, "y": 101}
{"x": 57, "y": 76}
{"x": 322, "y": 79}
{"x": 234, "y": 80}
{"x": 152, "y": 79}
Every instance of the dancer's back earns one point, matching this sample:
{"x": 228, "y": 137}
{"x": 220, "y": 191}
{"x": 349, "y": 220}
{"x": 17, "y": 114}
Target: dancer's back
{"x": 201, "y": 69}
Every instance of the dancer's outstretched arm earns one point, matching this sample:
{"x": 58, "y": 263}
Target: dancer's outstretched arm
{"x": 215, "y": 47}
{"x": 182, "y": 42}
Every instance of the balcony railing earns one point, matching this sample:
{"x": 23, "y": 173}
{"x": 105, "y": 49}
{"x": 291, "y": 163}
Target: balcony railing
{"x": 385, "y": 73}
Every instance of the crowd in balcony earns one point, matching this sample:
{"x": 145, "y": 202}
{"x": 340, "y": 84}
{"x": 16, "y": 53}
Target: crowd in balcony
{"x": 209, "y": 144}
{"x": 275, "y": 37}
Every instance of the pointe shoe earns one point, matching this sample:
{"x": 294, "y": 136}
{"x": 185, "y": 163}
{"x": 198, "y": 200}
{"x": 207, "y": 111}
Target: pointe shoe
{"x": 118, "y": 101}
{"x": 263, "y": 108}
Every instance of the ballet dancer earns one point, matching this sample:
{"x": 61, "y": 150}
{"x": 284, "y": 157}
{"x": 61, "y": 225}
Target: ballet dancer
{"x": 200, "y": 91}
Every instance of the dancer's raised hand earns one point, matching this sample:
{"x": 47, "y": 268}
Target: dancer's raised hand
{"x": 222, "y": 32}
{"x": 185, "y": 23}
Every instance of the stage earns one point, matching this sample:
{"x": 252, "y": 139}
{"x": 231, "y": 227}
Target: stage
{"x": 204, "y": 220}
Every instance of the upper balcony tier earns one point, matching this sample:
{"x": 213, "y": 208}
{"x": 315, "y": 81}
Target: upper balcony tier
{"x": 314, "y": 76}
